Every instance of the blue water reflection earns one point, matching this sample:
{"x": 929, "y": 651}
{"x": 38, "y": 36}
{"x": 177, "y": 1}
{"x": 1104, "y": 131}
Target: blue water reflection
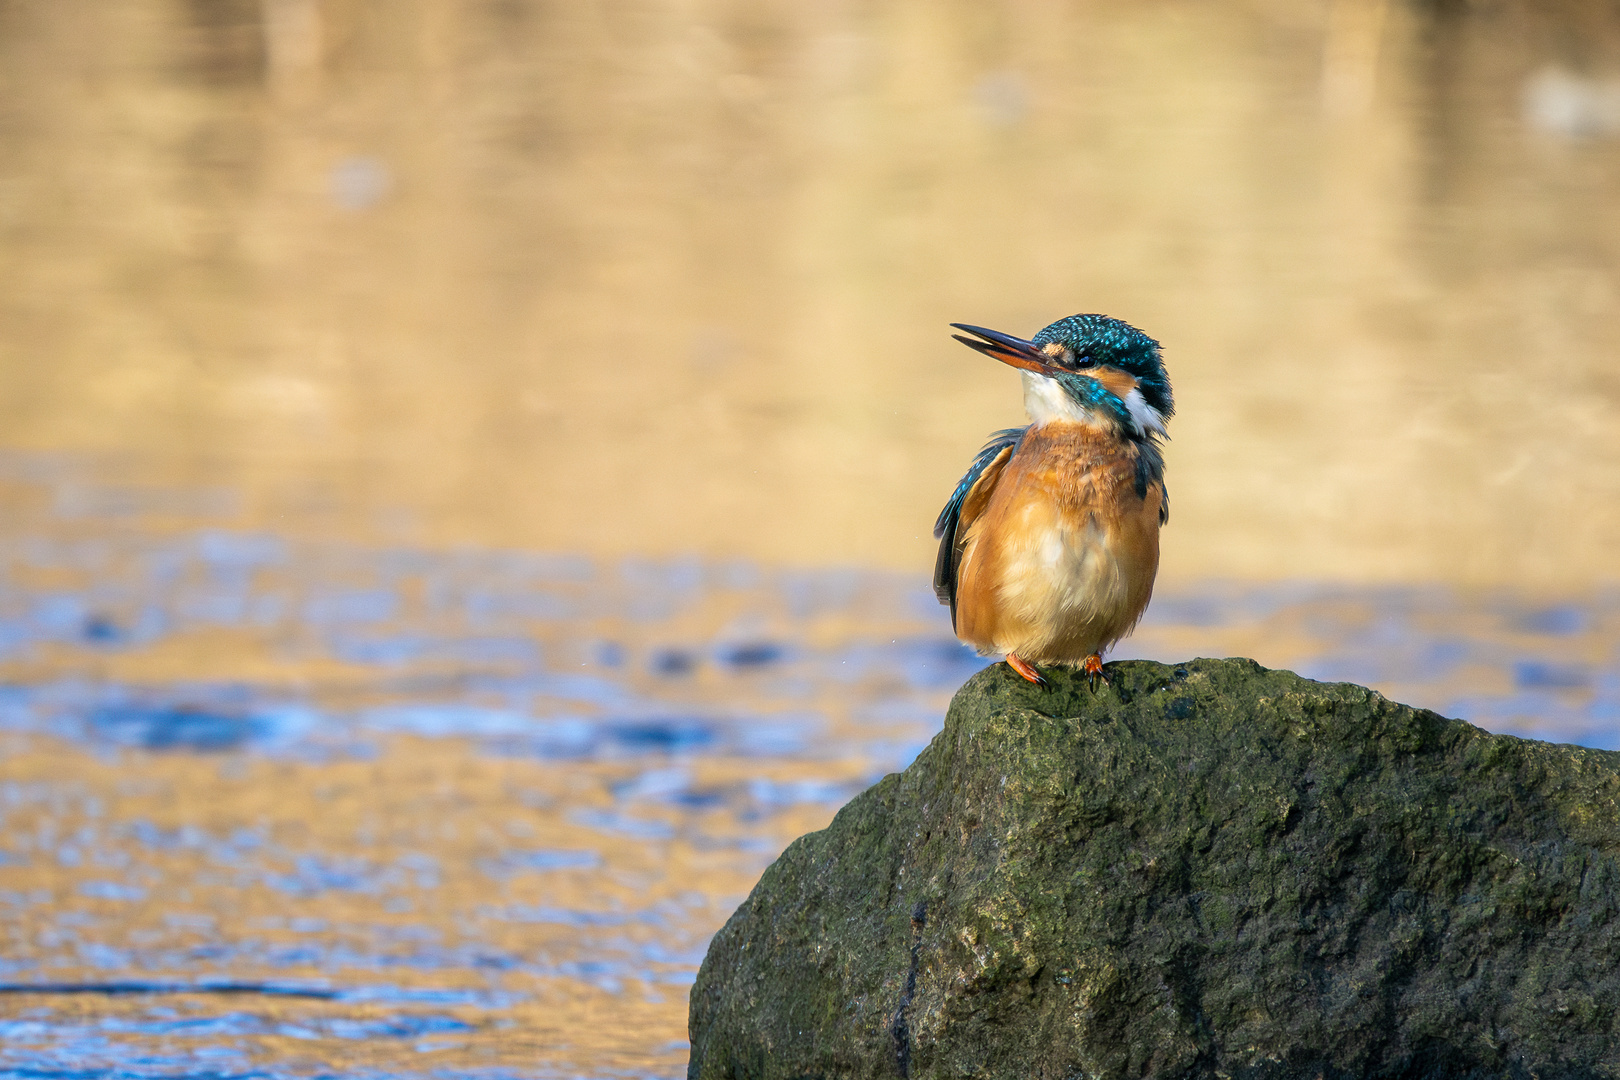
{"x": 268, "y": 805}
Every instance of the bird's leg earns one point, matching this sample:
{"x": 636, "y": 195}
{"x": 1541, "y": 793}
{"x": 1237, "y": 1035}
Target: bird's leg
{"x": 1092, "y": 666}
{"x": 1026, "y": 669}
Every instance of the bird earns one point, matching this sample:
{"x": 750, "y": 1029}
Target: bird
{"x": 1049, "y": 545}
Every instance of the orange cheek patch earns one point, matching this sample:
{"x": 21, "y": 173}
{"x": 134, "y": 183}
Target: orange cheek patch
{"x": 1119, "y": 383}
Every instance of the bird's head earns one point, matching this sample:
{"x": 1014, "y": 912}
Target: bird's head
{"x": 1086, "y": 369}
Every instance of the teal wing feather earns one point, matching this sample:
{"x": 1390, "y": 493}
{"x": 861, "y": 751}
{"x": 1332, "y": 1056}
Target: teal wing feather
{"x": 950, "y": 518}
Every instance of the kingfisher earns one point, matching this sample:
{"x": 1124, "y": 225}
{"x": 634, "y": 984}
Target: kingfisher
{"x": 1049, "y": 545}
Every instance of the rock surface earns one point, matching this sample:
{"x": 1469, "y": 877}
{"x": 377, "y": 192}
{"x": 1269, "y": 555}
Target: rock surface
{"x": 1211, "y": 870}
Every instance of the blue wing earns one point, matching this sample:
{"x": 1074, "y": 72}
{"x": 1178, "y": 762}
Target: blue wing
{"x": 1150, "y": 470}
{"x": 950, "y": 518}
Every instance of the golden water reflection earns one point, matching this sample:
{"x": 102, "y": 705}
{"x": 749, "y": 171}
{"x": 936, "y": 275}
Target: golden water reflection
{"x": 638, "y": 278}
{"x": 400, "y": 879}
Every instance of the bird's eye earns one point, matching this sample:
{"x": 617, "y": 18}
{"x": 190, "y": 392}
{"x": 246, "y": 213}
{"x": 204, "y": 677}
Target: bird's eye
{"x": 1085, "y": 360}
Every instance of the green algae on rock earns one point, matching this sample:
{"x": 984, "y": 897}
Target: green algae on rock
{"x": 1206, "y": 870}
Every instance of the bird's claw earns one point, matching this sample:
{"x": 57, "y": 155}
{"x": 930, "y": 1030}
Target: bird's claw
{"x": 1094, "y": 672}
{"x": 1026, "y": 670}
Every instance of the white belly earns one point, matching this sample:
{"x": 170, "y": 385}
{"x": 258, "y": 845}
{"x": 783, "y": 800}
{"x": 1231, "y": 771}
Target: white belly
{"x": 1063, "y": 592}
{"x": 1061, "y": 574}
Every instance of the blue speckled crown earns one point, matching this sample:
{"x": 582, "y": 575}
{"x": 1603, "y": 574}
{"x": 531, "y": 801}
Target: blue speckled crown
{"x": 1110, "y": 341}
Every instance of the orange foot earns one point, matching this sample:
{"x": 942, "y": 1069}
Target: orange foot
{"x": 1024, "y": 668}
{"x": 1094, "y": 673}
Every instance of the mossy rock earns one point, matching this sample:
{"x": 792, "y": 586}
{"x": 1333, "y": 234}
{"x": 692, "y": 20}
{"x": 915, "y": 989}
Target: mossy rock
{"x": 1211, "y": 870}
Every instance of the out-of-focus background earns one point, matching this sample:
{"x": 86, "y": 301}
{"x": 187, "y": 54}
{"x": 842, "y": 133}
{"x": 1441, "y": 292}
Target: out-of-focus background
{"x": 466, "y": 468}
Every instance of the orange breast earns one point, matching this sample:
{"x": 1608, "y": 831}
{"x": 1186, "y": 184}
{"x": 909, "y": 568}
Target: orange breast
{"x": 1060, "y": 562}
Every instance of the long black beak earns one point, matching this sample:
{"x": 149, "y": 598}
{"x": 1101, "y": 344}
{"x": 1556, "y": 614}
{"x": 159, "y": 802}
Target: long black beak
{"x": 1006, "y": 348}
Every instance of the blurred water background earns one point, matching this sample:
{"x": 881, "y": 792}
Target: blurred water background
{"x": 466, "y": 467}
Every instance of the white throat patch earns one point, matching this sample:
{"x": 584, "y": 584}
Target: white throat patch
{"x": 1046, "y": 401}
